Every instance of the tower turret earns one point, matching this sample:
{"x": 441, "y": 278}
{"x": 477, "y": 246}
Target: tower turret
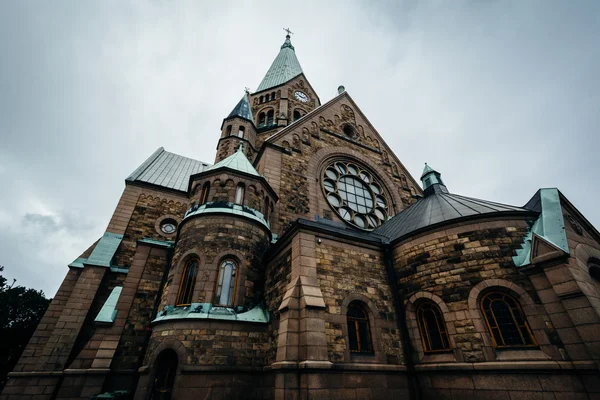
{"x": 432, "y": 181}
{"x": 238, "y": 127}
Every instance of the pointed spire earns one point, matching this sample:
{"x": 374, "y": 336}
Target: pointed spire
{"x": 285, "y": 66}
{"x": 432, "y": 181}
{"x": 242, "y": 109}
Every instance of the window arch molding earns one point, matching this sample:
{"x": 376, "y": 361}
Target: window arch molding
{"x": 242, "y": 275}
{"x": 169, "y": 344}
{"x": 375, "y": 325}
{"x": 187, "y": 289}
{"x": 415, "y": 335}
{"x": 325, "y": 156}
{"x": 262, "y": 116}
{"x": 533, "y": 313}
{"x": 176, "y": 272}
{"x": 227, "y": 282}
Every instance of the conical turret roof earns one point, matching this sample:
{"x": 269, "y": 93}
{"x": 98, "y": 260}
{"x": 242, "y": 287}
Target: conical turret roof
{"x": 238, "y": 162}
{"x": 242, "y": 109}
{"x": 284, "y": 68}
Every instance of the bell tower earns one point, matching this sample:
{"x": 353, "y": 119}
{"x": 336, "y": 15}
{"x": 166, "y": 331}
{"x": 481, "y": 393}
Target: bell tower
{"x": 238, "y": 127}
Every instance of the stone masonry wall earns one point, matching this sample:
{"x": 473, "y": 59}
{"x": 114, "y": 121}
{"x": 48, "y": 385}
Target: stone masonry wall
{"x": 277, "y": 276}
{"x": 449, "y": 263}
{"x": 344, "y": 271}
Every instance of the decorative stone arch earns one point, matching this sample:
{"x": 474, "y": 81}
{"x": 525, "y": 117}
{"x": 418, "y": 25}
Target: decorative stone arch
{"x": 588, "y": 285}
{"x": 375, "y": 325}
{"x": 242, "y": 274}
{"x": 176, "y": 274}
{"x": 169, "y": 343}
{"x": 534, "y": 315}
{"x": 317, "y": 201}
{"x": 413, "y": 328}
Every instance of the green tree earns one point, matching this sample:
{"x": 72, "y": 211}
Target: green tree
{"x": 21, "y": 309}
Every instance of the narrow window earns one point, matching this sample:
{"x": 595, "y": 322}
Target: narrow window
{"x": 166, "y": 369}
{"x": 228, "y": 131}
{"x": 267, "y": 209}
{"x": 226, "y": 283}
{"x": 204, "y": 194}
{"x": 270, "y": 117}
{"x": 296, "y": 115}
{"x": 261, "y": 99}
{"x": 261, "y": 119}
{"x": 506, "y": 321}
{"x": 267, "y": 98}
{"x": 241, "y": 132}
{"x": 273, "y": 96}
{"x": 188, "y": 281}
{"x": 359, "y": 333}
{"x": 432, "y": 328}
{"x": 239, "y": 194}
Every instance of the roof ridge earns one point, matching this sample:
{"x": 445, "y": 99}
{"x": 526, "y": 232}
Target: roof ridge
{"x": 143, "y": 166}
{"x": 486, "y": 201}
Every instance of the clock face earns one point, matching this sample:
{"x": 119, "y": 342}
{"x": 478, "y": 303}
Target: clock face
{"x": 301, "y": 96}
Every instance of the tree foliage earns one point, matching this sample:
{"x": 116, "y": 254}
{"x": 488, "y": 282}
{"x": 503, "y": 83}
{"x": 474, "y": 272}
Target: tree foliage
{"x": 21, "y": 309}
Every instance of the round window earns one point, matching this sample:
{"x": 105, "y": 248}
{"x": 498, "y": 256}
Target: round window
{"x": 355, "y": 194}
{"x": 168, "y": 226}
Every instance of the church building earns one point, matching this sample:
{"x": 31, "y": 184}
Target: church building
{"x": 307, "y": 263}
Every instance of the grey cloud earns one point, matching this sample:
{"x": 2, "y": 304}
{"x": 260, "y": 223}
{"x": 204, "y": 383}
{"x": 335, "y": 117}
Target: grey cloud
{"x": 500, "y": 96}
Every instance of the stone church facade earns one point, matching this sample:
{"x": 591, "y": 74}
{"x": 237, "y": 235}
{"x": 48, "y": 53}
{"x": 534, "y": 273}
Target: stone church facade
{"x": 307, "y": 263}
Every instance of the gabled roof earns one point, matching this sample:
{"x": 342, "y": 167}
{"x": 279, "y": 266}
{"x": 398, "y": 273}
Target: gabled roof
{"x": 242, "y": 109}
{"x": 285, "y": 67}
{"x": 238, "y": 162}
{"x": 167, "y": 170}
{"x": 439, "y": 208}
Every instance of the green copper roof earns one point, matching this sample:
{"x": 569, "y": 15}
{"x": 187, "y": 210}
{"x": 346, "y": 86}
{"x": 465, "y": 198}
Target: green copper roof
{"x": 207, "y": 311}
{"x": 284, "y": 68}
{"x": 242, "y": 109}
{"x": 108, "y": 312}
{"x": 430, "y": 177}
{"x": 549, "y": 225}
{"x": 104, "y": 250}
{"x": 238, "y": 162}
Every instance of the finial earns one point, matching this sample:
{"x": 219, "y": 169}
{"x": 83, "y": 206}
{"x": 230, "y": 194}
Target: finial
{"x": 288, "y": 32}
{"x": 241, "y": 148}
{"x": 247, "y": 90}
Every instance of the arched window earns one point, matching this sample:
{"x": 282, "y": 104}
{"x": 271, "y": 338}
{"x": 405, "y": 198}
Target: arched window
{"x": 296, "y": 115}
{"x": 226, "y": 283}
{"x": 267, "y": 209}
{"x": 594, "y": 268}
{"x": 241, "y": 131}
{"x": 273, "y": 96}
{"x": 359, "y": 332}
{"x": 506, "y": 321}
{"x": 239, "y": 194}
{"x": 204, "y": 194}
{"x": 228, "y": 131}
{"x": 432, "y": 328}
{"x": 261, "y": 119}
{"x": 267, "y": 97}
{"x": 164, "y": 379}
{"x": 188, "y": 281}
{"x": 270, "y": 117}
{"x": 261, "y": 99}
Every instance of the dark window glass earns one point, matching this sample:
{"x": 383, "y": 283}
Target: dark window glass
{"x": 205, "y": 191}
{"x": 359, "y": 333}
{"x": 506, "y": 321}
{"x": 188, "y": 281}
{"x": 270, "y": 117}
{"x": 166, "y": 369}
{"x": 432, "y": 328}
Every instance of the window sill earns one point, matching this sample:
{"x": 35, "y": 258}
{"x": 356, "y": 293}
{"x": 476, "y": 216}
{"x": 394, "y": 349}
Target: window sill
{"x": 520, "y": 354}
{"x": 440, "y": 357}
{"x": 363, "y": 357}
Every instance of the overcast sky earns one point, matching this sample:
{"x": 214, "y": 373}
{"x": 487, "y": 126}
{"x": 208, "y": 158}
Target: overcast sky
{"x": 502, "y": 97}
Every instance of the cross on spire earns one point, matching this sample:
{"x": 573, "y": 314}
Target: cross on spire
{"x": 288, "y": 32}
{"x": 246, "y": 89}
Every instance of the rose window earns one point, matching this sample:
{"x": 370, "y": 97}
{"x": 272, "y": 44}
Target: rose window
{"x": 355, "y": 195}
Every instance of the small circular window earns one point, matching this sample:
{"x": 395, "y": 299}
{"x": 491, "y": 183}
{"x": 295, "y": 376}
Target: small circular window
{"x": 168, "y": 226}
{"x": 355, "y": 194}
